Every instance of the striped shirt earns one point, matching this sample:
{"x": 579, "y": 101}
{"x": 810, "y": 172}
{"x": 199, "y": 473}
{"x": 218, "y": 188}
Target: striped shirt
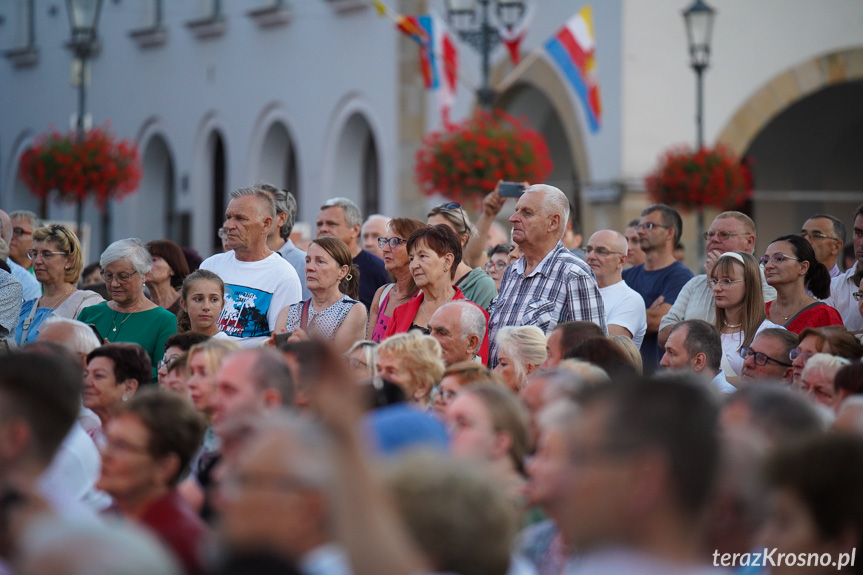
{"x": 561, "y": 288}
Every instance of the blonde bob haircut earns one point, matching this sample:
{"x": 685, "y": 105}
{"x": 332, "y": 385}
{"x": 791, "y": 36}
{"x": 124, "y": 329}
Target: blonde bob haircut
{"x": 421, "y": 356}
{"x": 63, "y": 240}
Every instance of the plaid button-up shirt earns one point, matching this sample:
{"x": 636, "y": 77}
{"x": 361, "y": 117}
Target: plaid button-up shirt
{"x": 561, "y": 288}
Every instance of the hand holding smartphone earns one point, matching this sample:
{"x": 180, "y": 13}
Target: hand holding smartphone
{"x": 510, "y": 189}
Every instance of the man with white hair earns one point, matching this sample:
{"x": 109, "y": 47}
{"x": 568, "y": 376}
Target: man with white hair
{"x": 625, "y": 314}
{"x": 459, "y": 327}
{"x": 341, "y": 218}
{"x": 547, "y": 285}
{"x": 77, "y": 337}
{"x": 374, "y": 227}
{"x": 258, "y": 282}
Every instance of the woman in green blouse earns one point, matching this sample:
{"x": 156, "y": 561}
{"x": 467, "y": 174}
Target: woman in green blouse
{"x": 130, "y": 316}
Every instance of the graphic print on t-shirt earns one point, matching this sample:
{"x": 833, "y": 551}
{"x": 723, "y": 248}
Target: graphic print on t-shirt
{"x": 245, "y": 312}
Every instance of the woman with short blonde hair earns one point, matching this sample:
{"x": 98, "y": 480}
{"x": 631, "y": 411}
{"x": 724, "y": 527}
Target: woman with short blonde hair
{"x": 412, "y": 361}
{"x": 521, "y": 350}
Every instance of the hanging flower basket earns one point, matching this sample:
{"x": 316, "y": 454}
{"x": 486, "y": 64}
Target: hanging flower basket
{"x": 693, "y": 180}
{"x": 99, "y": 167}
{"x": 467, "y": 159}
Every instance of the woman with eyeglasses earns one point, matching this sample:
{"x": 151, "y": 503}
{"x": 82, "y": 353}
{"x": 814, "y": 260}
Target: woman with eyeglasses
{"x": 435, "y": 252}
{"x": 396, "y": 260}
{"x": 57, "y": 262}
{"x": 498, "y": 260}
{"x": 833, "y": 339}
{"x": 474, "y": 283}
{"x": 130, "y": 316}
{"x": 456, "y": 377}
{"x": 791, "y": 268}
{"x": 736, "y": 283}
{"x": 148, "y": 446}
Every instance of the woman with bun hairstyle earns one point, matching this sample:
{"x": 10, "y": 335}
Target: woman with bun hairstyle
{"x": 790, "y": 267}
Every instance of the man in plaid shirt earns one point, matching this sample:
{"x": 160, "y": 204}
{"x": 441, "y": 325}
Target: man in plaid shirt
{"x": 547, "y": 285}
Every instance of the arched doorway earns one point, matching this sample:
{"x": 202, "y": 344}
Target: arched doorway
{"x": 156, "y": 195}
{"x": 526, "y": 101}
{"x": 216, "y": 186}
{"x": 278, "y": 160}
{"x": 356, "y": 169}
{"x": 802, "y": 133}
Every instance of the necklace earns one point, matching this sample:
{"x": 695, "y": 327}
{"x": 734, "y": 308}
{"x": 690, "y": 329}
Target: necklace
{"x": 732, "y": 325}
{"x": 65, "y": 296}
{"x": 116, "y": 328}
{"x": 785, "y": 317}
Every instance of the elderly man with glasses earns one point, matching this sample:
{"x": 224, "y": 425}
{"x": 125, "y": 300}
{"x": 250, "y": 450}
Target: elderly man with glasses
{"x": 767, "y": 357}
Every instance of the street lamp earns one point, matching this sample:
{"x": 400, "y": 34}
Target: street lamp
{"x": 699, "y": 28}
{"x": 481, "y": 35}
{"x": 83, "y": 21}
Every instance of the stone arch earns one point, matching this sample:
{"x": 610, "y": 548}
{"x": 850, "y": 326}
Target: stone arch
{"x": 786, "y": 88}
{"x": 209, "y": 182}
{"x": 352, "y": 156}
{"x": 273, "y": 155}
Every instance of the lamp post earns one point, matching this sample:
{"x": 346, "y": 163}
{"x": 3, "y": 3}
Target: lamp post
{"x": 83, "y": 21}
{"x": 479, "y": 32}
{"x": 699, "y": 28}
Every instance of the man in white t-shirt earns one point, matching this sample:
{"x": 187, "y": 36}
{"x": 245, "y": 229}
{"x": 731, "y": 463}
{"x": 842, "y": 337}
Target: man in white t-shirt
{"x": 258, "y": 281}
{"x": 624, "y": 307}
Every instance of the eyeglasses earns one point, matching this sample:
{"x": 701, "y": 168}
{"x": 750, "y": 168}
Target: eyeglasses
{"x": 355, "y": 363}
{"x": 601, "y": 252}
{"x": 392, "y": 242}
{"x": 817, "y": 236}
{"x": 456, "y": 207}
{"x": 650, "y": 225}
{"x": 724, "y": 283}
{"x": 44, "y": 254}
{"x": 722, "y": 235}
{"x": 858, "y": 295}
{"x": 761, "y": 359}
{"x": 795, "y": 353}
{"x": 18, "y": 232}
{"x": 121, "y": 277}
{"x": 495, "y": 265}
{"x": 776, "y": 259}
{"x": 121, "y": 445}
{"x": 167, "y": 362}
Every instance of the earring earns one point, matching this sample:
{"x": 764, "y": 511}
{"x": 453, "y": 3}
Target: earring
{"x": 349, "y": 277}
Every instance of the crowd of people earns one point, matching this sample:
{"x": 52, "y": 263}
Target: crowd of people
{"x": 399, "y": 396}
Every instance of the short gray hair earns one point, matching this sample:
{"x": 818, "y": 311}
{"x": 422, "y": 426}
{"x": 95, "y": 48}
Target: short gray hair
{"x": 95, "y": 548}
{"x": 353, "y": 215}
{"x": 307, "y": 454}
{"x": 82, "y": 339}
{"x": 553, "y": 202}
{"x": 286, "y": 204}
{"x": 270, "y": 371}
{"x": 472, "y": 319}
{"x": 27, "y": 215}
{"x": 824, "y": 364}
{"x": 132, "y": 250}
{"x": 265, "y": 198}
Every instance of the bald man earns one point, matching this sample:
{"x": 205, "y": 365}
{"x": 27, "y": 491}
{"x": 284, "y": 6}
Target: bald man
{"x": 606, "y": 254}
